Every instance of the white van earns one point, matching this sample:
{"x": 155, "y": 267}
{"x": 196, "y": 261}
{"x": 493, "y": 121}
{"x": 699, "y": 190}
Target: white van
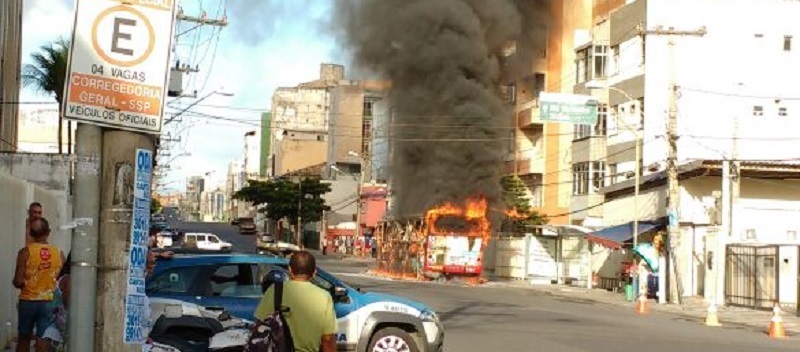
{"x": 205, "y": 241}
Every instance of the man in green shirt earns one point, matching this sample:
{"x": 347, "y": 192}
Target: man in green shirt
{"x": 311, "y": 317}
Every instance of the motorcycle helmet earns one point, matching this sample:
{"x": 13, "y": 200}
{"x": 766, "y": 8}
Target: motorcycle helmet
{"x": 271, "y": 277}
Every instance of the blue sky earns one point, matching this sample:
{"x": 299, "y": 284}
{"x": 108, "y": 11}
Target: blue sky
{"x": 268, "y": 43}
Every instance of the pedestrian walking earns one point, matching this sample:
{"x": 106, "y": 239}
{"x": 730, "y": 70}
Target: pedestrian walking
{"x": 34, "y": 212}
{"x": 38, "y": 266}
{"x": 310, "y": 315}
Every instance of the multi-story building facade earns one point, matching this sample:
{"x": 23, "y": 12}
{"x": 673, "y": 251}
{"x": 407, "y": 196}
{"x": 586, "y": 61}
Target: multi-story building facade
{"x": 234, "y": 181}
{"x": 737, "y": 159}
{"x": 212, "y": 206}
{"x": 265, "y": 148}
{"x": 541, "y": 151}
{"x": 195, "y": 186}
{"x": 252, "y": 154}
{"x": 350, "y": 135}
{"x": 299, "y": 122}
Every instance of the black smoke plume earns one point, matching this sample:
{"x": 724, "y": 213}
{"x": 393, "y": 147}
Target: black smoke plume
{"x": 450, "y": 128}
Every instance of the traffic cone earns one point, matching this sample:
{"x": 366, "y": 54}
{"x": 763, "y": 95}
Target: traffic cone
{"x": 776, "y": 329}
{"x": 711, "y": 317}
{"x": 641, "y": 304}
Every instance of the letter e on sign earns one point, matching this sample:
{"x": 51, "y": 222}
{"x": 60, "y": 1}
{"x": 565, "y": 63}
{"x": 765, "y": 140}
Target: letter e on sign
{"x": 123, "y": 36}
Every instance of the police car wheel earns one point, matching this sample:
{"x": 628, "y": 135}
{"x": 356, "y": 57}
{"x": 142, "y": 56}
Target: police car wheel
{"x": 392, "y": 340}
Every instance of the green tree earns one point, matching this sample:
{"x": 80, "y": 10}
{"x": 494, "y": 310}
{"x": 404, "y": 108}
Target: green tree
{"x": 47, "y": 74}
{"x": 283, "y": 198}
{"x": 515, "y": 198}
{"x": 155, "y": 205}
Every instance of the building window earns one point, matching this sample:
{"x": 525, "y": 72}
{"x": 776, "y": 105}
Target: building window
{"x": 612, "y": 174}
{"x": 598, "y": 129}
{"x": 538, "y": 84}
{"x": 598, "y": 175}
{"x": 580, "y": 178}
{"x": 758, "y": 110}
{"x": 368, "y": 108}
{"x": 586, "y": 174}
{"x": 582, "y": 62}
{"x": 600, "y": 58}
{"x": 782, "y": 112}
{"x": 509, "y": 92}
{"x": 787, "y": 43}
{"x": 614, "y": 61}
{"x": 531, "y": 86}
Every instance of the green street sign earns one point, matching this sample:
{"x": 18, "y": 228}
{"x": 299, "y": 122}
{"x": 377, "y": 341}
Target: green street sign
{"x": 568, "y": 108}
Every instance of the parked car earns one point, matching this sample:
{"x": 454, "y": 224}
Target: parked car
{"x": 266, "y": 243}
{"x": 247, "y": 226}
{"x": 205, "y": 241}
{"x": 235, "y": 282}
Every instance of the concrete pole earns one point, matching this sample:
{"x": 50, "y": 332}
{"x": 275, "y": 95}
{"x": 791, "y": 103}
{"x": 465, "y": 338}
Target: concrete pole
{"x": 83, "y": 277}
{"x": 727, "y": 231}
{"x": 638, "y": 180}
{"x": 119, "y": 152}
{"x": 673, "y": 226}
{"x": 299, "y": 233}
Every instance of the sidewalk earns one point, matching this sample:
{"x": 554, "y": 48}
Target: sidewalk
{"x": 693, "y": 309}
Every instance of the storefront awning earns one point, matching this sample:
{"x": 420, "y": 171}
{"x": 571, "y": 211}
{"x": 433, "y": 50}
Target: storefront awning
{"x": 614, "y": 236}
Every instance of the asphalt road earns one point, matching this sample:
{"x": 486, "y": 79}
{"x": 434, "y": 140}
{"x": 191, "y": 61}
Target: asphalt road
{"x": 225, "y": 231}
{"x": 514, "y": 319}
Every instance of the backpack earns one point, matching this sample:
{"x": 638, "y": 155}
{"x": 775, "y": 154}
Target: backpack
{"x": 272, "y": 333}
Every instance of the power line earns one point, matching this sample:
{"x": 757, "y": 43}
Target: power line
{"x": 738, "y": 95}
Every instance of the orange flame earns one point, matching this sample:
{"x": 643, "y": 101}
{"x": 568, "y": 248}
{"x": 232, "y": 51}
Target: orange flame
{"x": 514, "y": 214}
{"x": 475, "y": 210}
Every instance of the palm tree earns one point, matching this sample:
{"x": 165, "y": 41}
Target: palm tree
{"x": 47, "y": 74}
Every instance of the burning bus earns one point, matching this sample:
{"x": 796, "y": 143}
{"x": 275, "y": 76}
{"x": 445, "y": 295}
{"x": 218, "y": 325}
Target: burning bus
{"x": 455, "y": 237}
{"x": 448, "y": 240}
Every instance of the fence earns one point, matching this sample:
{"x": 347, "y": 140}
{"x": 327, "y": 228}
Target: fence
{"x": 560, "y": 259}
{"x": 752, "y": 276}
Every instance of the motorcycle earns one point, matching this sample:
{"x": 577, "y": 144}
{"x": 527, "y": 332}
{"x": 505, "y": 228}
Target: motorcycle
{"x": 184, "y": 327}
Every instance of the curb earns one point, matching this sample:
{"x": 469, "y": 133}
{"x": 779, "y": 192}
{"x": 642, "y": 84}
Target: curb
{"x": 670, "y": 309}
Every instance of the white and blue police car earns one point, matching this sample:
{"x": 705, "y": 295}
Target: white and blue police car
{"x": 368, "y": 321}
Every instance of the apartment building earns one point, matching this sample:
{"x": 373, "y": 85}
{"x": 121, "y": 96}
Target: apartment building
{"x": 299, "y": 122}
{"x": 736, "y": 153}
{"x": 542, "y": 150}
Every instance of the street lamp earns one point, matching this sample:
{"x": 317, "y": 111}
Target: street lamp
{"x": 638, "y": 146}
{"x": 174, "y": 116}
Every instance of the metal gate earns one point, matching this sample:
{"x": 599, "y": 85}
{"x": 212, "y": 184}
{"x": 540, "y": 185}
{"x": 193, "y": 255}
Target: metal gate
{"x": 751, "y": 276}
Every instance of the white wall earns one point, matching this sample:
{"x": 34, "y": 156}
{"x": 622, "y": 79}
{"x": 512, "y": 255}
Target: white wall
{"x": 728, "y": 61}
{"x": 16, "y": 195}
{"x": 770, "y": 207}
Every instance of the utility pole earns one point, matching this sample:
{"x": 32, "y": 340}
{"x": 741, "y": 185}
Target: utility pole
{"x": 299, "y": 235}
{"x": 119, "y": 153}
{"x": 673, "y": 205}
{"x": 84, "y": 256}
{"x": 361, "y": 178}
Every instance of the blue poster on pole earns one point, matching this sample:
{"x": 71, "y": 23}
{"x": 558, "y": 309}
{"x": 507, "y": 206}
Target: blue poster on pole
{"x": 136, "y": 303}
